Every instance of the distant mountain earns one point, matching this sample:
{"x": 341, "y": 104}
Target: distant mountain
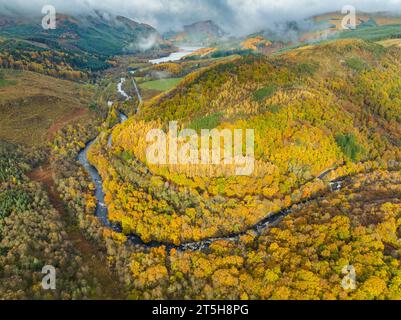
{"x": 363, "y": 19}
{"x": 198, "y": 33}
{"x": 373, "y": 26}
{"x": 78, "y": 48}
{"x": 376, "y": 26}
{"x": 99, "y": 33}
{"x": 204, "y": 27}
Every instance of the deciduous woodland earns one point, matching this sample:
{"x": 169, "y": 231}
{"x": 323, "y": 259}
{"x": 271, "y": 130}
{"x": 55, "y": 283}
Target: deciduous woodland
{"x": 309, "y": 114}
{"x": 32, "y": 235}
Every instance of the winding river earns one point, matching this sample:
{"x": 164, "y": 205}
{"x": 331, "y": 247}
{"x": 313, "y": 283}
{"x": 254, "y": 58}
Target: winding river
{"x": 102, "y": 211}
{"x": 101, "y": 208}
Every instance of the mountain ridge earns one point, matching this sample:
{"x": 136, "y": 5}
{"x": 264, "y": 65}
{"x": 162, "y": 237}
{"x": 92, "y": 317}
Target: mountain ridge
{"x": 198, "y": 33}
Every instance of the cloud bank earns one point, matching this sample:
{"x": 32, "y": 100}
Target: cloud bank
{"x": 239, "y": 16}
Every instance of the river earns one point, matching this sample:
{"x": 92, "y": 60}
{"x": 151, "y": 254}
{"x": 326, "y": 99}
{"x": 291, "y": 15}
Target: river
{"x": 102, "y": 212}
{"x": 175, "y": 56}
{"x": 101, "y": 208}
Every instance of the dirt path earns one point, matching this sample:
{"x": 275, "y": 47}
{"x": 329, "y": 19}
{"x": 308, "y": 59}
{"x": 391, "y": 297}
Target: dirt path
{"x": 75, "y": 115}
{"x": 88, "y": 252}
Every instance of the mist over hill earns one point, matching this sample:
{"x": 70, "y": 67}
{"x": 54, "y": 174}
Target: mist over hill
{"x": 201, "y": 32}
{"x": 99, "y": 33}
{"x": 238, "y": 17}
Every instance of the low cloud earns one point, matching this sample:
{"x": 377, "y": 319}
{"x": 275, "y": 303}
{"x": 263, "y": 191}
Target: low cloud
{"x": 143, "y": 44}
{"x": 235, "y": 16}
{"x": 148, "y": 42}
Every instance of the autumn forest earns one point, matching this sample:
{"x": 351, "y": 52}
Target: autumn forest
{"x": 318, "y": 218}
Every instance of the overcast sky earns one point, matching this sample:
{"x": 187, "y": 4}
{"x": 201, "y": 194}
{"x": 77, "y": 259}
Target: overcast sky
{"x": 243, "y": 16}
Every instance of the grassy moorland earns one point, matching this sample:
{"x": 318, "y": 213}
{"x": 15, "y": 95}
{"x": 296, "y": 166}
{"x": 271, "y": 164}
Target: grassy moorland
{"x": 5, "y": 82}
{"x": 34, "y": 106}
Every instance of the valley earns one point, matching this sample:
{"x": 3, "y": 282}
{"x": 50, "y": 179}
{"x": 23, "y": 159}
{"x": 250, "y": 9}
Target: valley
{"x": 102, "y": 211}
{"x": 78, "y": 192}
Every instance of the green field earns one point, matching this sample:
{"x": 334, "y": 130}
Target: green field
{"x": 161, "y": 85}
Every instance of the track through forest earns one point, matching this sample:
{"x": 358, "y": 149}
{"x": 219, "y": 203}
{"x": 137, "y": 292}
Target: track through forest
{"x": 89, "y": 253}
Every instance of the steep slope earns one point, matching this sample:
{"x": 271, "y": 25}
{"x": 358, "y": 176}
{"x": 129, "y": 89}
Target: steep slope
{"x": 364, "y": 19}
{"x": 33, "y": 106}
{"x": 198, "y": 33}
{"x": 35, "y": 233}
{"x": 302, "y": 258}
{"x": 373, "y": 26}
{"x": 312, "y": 109}
{"x": 79, "y": 43}
{"x": 100, "y": 33}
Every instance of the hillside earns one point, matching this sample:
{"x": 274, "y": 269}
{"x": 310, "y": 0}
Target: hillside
{"x": 312, "y": 109}
{"x": 80, "y": 45}
{"x": 302, "y": 258}
{"x": 199, "y": 33}
{"x": 36, "y": 231}
{"x": 34, "y": 106}
{"x": 369, "y": 26}
{"x": 364, "y": 19}
{"x": 99, "y": 34}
